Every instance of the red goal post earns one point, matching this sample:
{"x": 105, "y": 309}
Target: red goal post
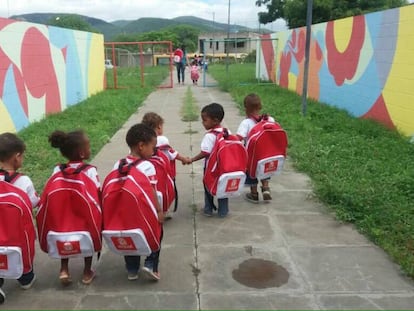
{"x": 130, "y": 64}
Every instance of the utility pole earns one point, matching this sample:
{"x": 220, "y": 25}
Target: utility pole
{"x": 307, "y": 52}
{"x": 214, "y": 30}
{"x": 228, "y": 39}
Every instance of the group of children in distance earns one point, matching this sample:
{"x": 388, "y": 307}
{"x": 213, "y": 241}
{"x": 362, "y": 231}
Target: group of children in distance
{"x": 142, "y": 139}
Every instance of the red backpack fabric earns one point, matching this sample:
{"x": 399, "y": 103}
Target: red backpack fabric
{"x": 224, "y": 175}
{"x": 17, "y": 231}
{"x": 130, "y": 220}
{"x": 69, "y": 219}
{"x": 165, "y": 184}
{"x": 266, "y": 148}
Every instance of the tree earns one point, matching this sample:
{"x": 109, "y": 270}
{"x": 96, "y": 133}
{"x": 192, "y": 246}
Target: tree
{"x": 71, "y": 21}
{"x": 187, "y": 36}
{"x": 294, "y": 11}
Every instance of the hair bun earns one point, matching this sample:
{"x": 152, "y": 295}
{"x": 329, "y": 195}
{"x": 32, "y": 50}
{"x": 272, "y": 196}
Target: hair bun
{"x": 58, "y": 138}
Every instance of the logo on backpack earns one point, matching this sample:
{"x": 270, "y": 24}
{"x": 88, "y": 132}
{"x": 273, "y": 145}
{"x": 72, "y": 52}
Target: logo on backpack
{"x": 68, "y": 248}
{"x": 266, "y": 148}
{"x": 224, "y": 175}
{"x": 124, "y": 243}
{"x": 4, "y": 263}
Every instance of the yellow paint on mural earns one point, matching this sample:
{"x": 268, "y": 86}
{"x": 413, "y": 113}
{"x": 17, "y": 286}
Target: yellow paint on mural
{"x": 6, "y": 124}
{"x": 292, "y": 81}
{"x": 400, "y": 96}
{"x": 96, "y": 65}
{"x": 342, "y": 35}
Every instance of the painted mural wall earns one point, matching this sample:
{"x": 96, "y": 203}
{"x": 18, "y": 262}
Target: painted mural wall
{"x": 364, "y": 64}
{"x": 44, "y": 69}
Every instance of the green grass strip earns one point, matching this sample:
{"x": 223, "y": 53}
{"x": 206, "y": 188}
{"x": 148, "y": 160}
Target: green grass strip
{"x": 359, "y": 168}
{"x": 190, "y": 109}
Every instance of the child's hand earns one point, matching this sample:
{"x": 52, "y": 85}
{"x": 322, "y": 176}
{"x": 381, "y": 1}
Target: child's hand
{"x": 186, "y": 160}
{"x": 160, "y": 216}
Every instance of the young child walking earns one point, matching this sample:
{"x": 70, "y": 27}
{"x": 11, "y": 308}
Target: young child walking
{"x": 252, "y": 108}
{"x": 12, "y": 150}
{"x": 211, "y": 115}
{"x": 141, "y": 140}
{"x": 75, "y": 147}
{"x": 195, "y": 75}
{"x": 156, "y": 122}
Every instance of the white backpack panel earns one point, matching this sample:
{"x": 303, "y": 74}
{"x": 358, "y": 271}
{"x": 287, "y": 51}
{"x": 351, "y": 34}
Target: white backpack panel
{"x": 69, "y": 244}
{"x": 11, "y": 262}
{"x": 269, "y": 166}
{"x": 127, "y": 242}
{"x": 230, "y": 184}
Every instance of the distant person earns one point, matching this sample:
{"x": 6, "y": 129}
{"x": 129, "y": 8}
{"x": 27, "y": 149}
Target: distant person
{"x": 12, "y": 150}
{"x": 194, "y": 72}
{"x": 180, "y": 58}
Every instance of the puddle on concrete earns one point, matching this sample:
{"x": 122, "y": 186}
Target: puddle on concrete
{"x": 260, "y": 273}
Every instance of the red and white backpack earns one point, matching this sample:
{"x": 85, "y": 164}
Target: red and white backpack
{"x": 17, "y": 231}
{"x": 130, "y": 219}
{"x": 165, "y": 184}
{"x": 266, "y": 148}
{"x": 69, "y": 219}
{"x": 225, "y": 171}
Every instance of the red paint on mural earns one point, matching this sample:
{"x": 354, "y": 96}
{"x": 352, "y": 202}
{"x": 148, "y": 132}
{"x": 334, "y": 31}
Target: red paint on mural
{"x": 269, "y": 56}
{"x": 380, "y": 113}
{"x": 285, "y": 63}
{"x": 38, "y": 69}
{"x": 343, "y": 65}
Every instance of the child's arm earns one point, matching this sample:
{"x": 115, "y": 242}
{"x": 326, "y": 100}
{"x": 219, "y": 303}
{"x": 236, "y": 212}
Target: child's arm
{"x": 199, "y": 156}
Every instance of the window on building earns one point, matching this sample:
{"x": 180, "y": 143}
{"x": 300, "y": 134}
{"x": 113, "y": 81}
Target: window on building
{"x": 211, "y": 43}
{"x": 217, "y": 45}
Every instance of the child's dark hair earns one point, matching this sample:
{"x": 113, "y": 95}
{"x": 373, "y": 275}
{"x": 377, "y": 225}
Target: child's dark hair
{"x": 10, "y": 144}
{"x": 152, "y": 119}
{"x": 214, "y": 111}
{"x": 139, "y": 133}
{"x": 252, "y": 103}
{"x": 69, "y": 144}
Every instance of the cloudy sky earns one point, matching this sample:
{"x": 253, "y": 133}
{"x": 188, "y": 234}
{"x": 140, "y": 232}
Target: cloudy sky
{"x": 242, "y": 12}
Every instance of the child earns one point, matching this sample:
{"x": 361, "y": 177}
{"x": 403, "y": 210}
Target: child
{"x": 12, "y": 150}
{"x": 156, "y": 122}
{"x": 252, "y": 106}
{"x": 75, "y": 146}
{"x": 194, "y": 72}
{"x": 141, "y": 140}
{"x": 211, "y": 116}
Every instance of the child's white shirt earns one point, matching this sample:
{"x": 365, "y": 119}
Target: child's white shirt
{"x": 162, "y": 141}
{"x": 146, "y": 167}
{"x": 209, "y": 140}
{"x": 91, "y": 172}
{"x": 24, "y": 183}
{"x": 246, "y": 125}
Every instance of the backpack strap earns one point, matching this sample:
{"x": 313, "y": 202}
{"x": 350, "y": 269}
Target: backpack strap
{"x": 63, "y": 169}
{"x": 9, "y": 178}
{"x": 124, "y": 167}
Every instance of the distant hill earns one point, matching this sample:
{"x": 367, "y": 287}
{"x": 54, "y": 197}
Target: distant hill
{"x": 145, "y": 24}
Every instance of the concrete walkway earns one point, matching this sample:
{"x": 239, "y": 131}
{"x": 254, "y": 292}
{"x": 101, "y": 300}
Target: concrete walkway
{"x": 287, "y": 254}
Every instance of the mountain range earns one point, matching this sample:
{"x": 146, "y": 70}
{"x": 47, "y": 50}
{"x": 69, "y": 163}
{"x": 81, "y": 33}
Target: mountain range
{"x": 141, "y": 25}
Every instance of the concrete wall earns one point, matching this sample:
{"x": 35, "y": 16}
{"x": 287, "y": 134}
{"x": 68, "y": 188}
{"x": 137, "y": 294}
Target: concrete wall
{"x": 45, "y": 69}
{"x": 364, "y": 64}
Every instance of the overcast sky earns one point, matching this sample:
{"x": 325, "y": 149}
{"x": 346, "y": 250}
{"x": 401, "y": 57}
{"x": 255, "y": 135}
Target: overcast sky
{"x": 242, "y": 12}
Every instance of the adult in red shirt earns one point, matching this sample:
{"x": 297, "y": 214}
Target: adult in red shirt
{"x": 180, "y": 60}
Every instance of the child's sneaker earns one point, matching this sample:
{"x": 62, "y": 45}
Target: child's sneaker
{"x": 29, "y": 285}
{"x": 132, "y": 276}
{"x": 266, "y": 193}
{"x": 149, "y": 273}
{"x": 252, "y": 197}
{"x": 2, "y": 296}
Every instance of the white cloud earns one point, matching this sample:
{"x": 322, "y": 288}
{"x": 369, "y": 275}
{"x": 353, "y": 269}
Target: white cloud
{"x": 242, "y": 12}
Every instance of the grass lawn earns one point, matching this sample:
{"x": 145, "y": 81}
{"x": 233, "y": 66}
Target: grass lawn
{"x": 100, "y": 116}
{"x": 359, "y": 168}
